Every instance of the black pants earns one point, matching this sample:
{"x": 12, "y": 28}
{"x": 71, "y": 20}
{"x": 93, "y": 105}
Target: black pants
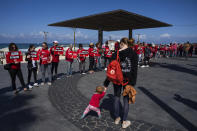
{"x": 34, "y": 70}
{"x": 117, "y": 94}
{"x": 105, "y": 61}
{"x": 13, "y": 73}
{"x": 146, "y": 61}
{"x": 54, "y": 66}
{"x": 91, "y": 64}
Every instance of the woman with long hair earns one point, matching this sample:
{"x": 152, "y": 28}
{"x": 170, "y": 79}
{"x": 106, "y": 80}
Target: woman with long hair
{"x": 15, "y": 66}
{"x": 128, "y": 63}
{"x": 45, "y": 63}
{"x": 32, "y": 65}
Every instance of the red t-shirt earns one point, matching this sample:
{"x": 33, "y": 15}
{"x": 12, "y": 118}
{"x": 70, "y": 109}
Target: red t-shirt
{"x": 44, "y": 56}
{"x": 14, "y": 56}
{"x": 81, "y": 55}
{"x": 97, "y": 53}
{"x": 69, "y": 55}
{"x": 107, "y": 52}
{"x": 116, "y": 46}
{"x": 139, "y": 50}
{"x": 95, "y": 100}
{"x": 55, "y": 57}
{"x": 91, "y": 52}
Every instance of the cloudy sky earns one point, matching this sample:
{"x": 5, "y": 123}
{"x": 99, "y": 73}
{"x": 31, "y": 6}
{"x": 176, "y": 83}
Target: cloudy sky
{"x": 23, "y": 21}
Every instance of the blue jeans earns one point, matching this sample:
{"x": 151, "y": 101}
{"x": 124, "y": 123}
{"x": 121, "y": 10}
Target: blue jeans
{"x": 99, "y": 63}
{"x": 44, "y": 68}
{"x": 69, "y": 67}
{"x": 117, "y": 94}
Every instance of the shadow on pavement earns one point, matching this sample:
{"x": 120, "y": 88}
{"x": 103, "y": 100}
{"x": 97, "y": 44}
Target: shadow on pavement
{"x": 178, "y": 117}
{"x": 5, "y": 90}
{"x": 176, "y": 68}
{"x": 15, "y": 113}
{"x": 187, "y": 102}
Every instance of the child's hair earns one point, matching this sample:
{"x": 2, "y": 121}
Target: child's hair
{"x": 99, "y": 89}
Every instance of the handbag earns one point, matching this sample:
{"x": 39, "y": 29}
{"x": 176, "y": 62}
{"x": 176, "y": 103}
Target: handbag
{"x": 7, "y": 66}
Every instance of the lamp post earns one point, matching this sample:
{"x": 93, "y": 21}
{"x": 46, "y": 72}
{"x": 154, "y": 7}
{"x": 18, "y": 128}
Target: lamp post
{"x": 45, "y": 36}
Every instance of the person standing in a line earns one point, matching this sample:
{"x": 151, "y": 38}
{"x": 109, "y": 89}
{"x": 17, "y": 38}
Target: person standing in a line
{"x": 107, "y": 55}
{"x": 98, "y": 53}
{"x": 55, "y": 59}
{"x": 15, "y": 66}
{"x": 45, "y": 63}
{"x": 91, "y": 58}
{"x": 32, "y": 65}
{"x": 81, "y": 59}
{"x": 69, "y": 60}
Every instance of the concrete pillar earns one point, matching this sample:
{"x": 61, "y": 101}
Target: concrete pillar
{"x": 100, "y": 36}
{"x": 130, "y": 34}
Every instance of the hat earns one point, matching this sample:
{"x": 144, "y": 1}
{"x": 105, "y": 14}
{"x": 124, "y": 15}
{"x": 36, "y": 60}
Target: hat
{"x": 55, "y": 41}
{"x": 91, "y": 43}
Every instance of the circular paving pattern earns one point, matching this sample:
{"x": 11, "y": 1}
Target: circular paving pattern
{"x": 65, "y": 96}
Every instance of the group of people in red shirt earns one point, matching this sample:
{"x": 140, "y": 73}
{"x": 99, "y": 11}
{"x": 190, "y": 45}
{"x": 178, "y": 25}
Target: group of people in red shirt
{"x": 48, "y": 60}
{"x": 147, "y": 51}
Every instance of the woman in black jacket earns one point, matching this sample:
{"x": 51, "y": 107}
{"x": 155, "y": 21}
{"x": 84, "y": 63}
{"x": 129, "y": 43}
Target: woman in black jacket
{"x": 128, "y": 62}
{"x": 32, "y": 65}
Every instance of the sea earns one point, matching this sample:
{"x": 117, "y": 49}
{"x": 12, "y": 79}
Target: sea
{"x": 24, "y": 47}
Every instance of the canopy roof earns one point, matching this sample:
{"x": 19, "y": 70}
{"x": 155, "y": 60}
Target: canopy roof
{"x": 112, "y": 21}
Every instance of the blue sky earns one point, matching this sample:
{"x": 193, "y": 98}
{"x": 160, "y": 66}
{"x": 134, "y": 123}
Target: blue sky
{"x": 22, "y": 21}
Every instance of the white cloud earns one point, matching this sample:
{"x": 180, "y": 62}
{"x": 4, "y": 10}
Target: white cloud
{"x": 141, "y": 36}
{"x": 165, "y": 35}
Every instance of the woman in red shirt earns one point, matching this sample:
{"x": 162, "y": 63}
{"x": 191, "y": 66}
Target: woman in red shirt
{"x": 81, "y": 58}
{"x": 98, "y": 53}
{"x": 55, "y": 58}
{"x": 45, "y": 62}
{"x": 69, "y": 60}
{"x": 15, "y": 66}
{"x": 91, "y": 58}
{"x": 107, "y": 55}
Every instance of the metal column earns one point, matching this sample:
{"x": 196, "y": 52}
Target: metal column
{"x": 100, "y": 36}
{"x": 130, "y": 34}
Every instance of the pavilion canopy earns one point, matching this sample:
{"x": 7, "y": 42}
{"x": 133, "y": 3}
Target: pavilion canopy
{"x": 112, "y": 21}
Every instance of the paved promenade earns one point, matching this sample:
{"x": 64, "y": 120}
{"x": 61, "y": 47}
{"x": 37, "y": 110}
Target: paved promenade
{"x": 166, "y": 100}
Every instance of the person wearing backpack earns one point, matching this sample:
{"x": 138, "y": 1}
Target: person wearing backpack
{"x": 128, "y": 60}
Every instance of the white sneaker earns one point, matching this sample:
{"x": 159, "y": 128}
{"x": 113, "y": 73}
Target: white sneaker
{"x": 142, "y": 66}
{"x": 105, "y": 69}
{"x": 117, "y": 121}
{"x": 42, "y": 83}
{"x": 30, "y": 86}
{"x": 49, "y": 83}
{"x": 83, "y": 73}
{"x": 36, "y": 84}
{"x": 58, "y": 78}
{"x": 147, "y": 66}
{"x": 126, "y": 124}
